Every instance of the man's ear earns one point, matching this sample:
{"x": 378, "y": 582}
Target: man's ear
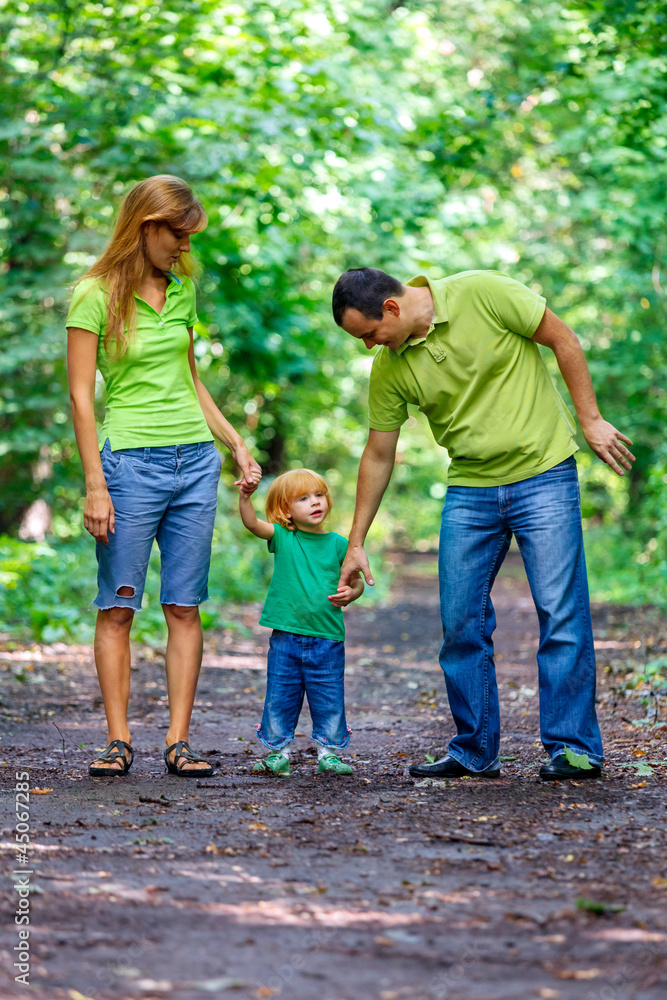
{"x": 392, "y": 306}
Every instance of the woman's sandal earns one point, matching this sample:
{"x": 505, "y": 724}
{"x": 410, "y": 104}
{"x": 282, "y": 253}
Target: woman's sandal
{"x": 183, "y": 749}
{"x": 111, "y": 756}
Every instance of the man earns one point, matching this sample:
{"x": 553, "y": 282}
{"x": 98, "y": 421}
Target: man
{"x": 464, "y": 349}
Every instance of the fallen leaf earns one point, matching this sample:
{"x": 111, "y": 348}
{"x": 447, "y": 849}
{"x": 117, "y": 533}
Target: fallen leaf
{"x": 578, "y": 759}
{"x": 659, "y": 883}
{"x": 257, "y": 826}
{"x": 212, "y": 849}
{"x": 47, "y": 791}
{"x": 578, "y": 973}
{"x": 215, "y": 985}
{"x": 383, "y": 940}
{"x": 640, "y": 784}
{"x": 599, "y": 908}
{"x": 548, "y": 994}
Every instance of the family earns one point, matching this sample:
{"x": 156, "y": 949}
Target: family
{"x": 464, "y": 349}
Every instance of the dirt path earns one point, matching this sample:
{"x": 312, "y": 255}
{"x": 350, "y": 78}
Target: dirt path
{"x": 370, "y": 887}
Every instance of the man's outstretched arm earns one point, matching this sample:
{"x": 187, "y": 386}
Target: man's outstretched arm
{"x": 605, "y": 440}
{"x": 375, "y": 469}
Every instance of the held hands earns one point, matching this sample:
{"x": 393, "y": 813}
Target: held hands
{"x": 348, "y": 592}
{"x": 609, "y": 445}
{"x": 343, "y": 597}
{"x": 99, "y": 517}
{"x": 355, "y": 563}
{"x": 252, "y": 472}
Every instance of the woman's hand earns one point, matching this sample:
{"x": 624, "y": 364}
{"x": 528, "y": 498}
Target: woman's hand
{"x": 99, "y": 517}
{"x": 252, "y": 472}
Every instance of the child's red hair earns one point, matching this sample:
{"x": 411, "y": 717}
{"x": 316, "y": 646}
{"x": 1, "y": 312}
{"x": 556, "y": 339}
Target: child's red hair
{"x": 288, "y": 487}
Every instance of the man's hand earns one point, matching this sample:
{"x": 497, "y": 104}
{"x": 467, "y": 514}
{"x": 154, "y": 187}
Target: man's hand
{"x": 609, "y": 445}
{"x": 99, "y": 517}
{"x": 355, "y": 561}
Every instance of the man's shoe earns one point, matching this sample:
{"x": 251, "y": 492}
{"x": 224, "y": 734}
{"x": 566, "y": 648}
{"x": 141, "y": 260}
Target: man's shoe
{"x": 560, "y": 770}
{"x": 449, "y": 768}
{"x": 275, "y": 763}
{"x": 330, "y": 762}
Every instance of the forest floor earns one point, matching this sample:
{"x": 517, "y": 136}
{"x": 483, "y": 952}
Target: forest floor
{"x": 374, "y": 886}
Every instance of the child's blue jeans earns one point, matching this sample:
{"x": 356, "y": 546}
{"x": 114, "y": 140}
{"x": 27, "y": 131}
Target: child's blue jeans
{"x": 298, "y": 665}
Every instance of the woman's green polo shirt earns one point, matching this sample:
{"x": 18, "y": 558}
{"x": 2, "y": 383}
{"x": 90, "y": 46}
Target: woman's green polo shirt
{"x": 480, "y": 380}
{"x": 151, "y": 399}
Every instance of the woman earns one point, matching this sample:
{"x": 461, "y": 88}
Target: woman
{"x": 154, "y": 472}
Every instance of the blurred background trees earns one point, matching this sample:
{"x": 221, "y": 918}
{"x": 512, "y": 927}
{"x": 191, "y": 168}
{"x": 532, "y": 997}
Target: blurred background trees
{"x": 529, "y": 137}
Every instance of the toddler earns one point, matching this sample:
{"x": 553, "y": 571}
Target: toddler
{"x": 307, "y": 648}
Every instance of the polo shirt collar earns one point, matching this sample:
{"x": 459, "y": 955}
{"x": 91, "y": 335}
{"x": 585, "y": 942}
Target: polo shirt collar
{"x": 175, "y": 284}
{"x": 438, "y": 291}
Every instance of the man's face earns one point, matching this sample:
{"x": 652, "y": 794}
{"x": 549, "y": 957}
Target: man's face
{"x": 391, "y": 331}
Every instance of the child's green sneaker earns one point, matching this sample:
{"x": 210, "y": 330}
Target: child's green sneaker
{"x": 277, "y": 763}
{"x": 330, "y": 762}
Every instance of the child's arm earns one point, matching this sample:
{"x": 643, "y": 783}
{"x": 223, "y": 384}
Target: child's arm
{"x": 260, "y": 528}
{"x": 345, "y": 595}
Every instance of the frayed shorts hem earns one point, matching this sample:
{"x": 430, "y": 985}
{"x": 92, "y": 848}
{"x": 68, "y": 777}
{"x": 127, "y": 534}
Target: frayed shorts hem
{"x": 186, "y": 604}
{"x": 108, "y": 607}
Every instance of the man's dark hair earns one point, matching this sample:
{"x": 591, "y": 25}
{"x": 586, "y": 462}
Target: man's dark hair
{"x": 365, "y": 289}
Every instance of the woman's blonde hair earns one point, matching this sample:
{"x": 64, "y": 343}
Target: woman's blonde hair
{"x": 288, "y": 487}
{"x": 162, "y": 199}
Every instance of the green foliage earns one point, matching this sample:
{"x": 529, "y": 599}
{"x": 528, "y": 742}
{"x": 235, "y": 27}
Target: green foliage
{"x": 624, "y": 567}
{"x": 497, "y": 134}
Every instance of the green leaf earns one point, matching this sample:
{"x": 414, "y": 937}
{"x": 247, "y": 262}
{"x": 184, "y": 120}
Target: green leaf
{"x": 430, "y": 758}
{"x": 508, "y": 758}
{"x": 578, "y": 759}
{"x": 599, "y": 908}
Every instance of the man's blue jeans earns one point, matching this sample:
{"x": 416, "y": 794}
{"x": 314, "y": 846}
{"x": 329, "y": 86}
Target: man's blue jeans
{"x": 298, "y": 665}
{"x": 544, "y": 515}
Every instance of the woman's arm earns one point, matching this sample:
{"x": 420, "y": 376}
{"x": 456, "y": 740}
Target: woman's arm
{"x": 98, "y": 513}
{"x": 260, "y": 528}
{"x": 222, "y": 429}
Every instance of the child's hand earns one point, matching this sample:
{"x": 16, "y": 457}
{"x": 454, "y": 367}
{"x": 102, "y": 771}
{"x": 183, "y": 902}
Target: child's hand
{"x": 343, "y": 597}
{"x": 246, "y": 490}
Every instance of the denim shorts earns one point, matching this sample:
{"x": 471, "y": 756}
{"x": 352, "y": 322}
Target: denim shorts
{"x": 166, "y": 494}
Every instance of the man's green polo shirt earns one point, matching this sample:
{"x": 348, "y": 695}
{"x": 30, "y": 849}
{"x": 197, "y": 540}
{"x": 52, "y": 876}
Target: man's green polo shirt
{"x": 480, "y": 380}
{"x": 151, "y": 399}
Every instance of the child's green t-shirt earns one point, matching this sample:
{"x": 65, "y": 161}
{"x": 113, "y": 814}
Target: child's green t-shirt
{"x": 306, "y": 570}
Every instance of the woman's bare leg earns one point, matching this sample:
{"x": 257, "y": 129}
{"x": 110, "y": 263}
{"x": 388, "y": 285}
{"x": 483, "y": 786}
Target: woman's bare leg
{"x": 185, "y": 645}
{"x": 112, "y": 660}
